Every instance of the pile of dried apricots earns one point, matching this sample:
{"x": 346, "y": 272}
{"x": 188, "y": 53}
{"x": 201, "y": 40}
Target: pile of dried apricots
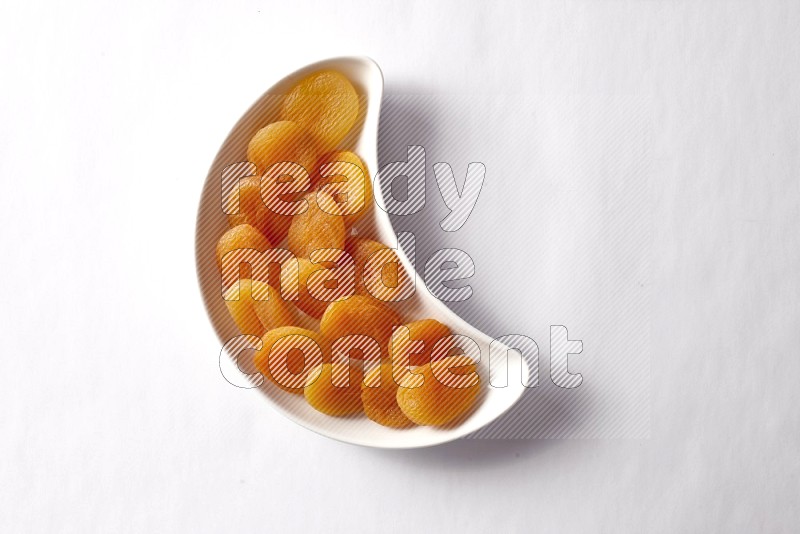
{"x": 364, "y": 357}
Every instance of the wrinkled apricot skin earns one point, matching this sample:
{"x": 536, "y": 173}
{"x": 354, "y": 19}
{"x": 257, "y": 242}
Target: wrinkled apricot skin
{"x": 283, "y": 141}
{"x": 325, "y": 396}
{"x": 241, "y": 236}
{"x": 296, "y": 361}
{"x": 360, "y": 315}
{"x": 428, "y": 331}
{"x": 315, "y": 229}
{"x": 326, "y": 104}
{"x": 434, "y": 403}
{"x": 254, "y": 212}
{"x": 351, "y": 187}
{"x": 379, "y": 398}
{"x": 308, "y": 304}
{"x": 362, "y": 250}
{"x": 303, "y": 270}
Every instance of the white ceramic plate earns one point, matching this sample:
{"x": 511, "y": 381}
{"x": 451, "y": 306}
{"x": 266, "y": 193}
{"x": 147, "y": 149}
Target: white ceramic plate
{"x": 367, "y": 78}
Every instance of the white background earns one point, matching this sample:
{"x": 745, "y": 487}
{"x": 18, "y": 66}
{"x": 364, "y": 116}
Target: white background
{"x": 114, "y": 414}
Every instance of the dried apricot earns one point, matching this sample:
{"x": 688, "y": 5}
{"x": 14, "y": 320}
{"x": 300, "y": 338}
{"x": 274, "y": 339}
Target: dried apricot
{"x": 307, "y": 273}
{"x": 254, "y": 212}
{"x": 290, "y": 356}
{"x": 283, "y": 141}
{"x": 417, "y": 342}
{"x": 325, "y": 103}
{"x": 360, "y": 249}
{"x": 345, "y": 177}
{"x": 258, "y": 307}
{"x": 302, "y": 269}
{"x": 379, "y": 272}
{"x": 315, "y": 228}
{"x": 449, "y": 390}
{"x": 271, "y": 309}
{"x": 241, "y": 236}
{"x": 337, "y": 389}
{"x": 359, "y": 315}
{"x": 241, "y": 309}
{"x": 379, "y": 397}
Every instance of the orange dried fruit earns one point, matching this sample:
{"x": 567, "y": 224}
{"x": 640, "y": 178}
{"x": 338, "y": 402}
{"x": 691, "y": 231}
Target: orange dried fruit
{"x": 360, "y": 249}
{"x": 254, "y": 212}
{"x": 449, "y": 390}
{"x": 270, "y": 308}
{"x": 242, "y": 311}
{"x": 393, "y": 280}
{"x": 359, "y": 315}
{"x": 345, "y": 177}
{"x": 316, "y": 228}
{"x": 280, "y": 142}
{"x": 379, "y": 397}
{"x": 258, "y": 308}
{"x": 326, "y": 104}
{"x": 289, "y": 357}
{"x": 337, "y": 389}
{"x": 426, "y": 331}
{"x": 241, "y": 236}
{"x": 307, "y": 273}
